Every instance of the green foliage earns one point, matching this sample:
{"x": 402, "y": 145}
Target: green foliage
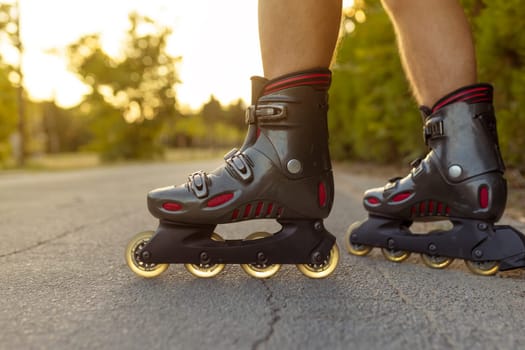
{"x": 66, "y": 130}
{"x": 132, "y": 96}
{"x": 8, "y": 93}
{"x": 500, "y": 44}
{"x": 372, "y": 114}
{"x": 8, "y": 114}
{"x": 213, "y": 126}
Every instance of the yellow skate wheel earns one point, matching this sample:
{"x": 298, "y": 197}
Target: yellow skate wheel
{"x": 260, "y": 270}
{"x": 355, "y": 249}
{"x": 483, "y": 268}
{"x": 135, "y": 262}
{"x": 395, "y": 255}
{"x": 436, "y": 262}
{"x": 206, "y": 270}
{"x": 325, "y": 268}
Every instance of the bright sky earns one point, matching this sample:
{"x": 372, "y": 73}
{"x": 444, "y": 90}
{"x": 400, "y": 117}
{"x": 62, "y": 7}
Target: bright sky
{"x": 218, "y": 41}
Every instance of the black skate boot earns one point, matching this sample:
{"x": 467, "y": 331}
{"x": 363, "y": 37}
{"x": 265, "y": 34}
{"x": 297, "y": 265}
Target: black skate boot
{"x": 281, "y": 172}
{"x": 460, "y": 180}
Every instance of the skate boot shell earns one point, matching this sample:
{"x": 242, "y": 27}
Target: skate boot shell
{"x": 282, "y": 172}
{"x": 460, "y": 180}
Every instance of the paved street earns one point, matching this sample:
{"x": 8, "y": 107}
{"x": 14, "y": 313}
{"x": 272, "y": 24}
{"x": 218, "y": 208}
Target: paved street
{"x": 64, "y": 283}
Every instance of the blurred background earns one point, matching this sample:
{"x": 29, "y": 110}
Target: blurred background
{"x": 83, "y": 83}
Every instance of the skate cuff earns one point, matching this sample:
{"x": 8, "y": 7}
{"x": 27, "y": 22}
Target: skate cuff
{"x": 318, "y": 78}
{"x": 470, "y": 94}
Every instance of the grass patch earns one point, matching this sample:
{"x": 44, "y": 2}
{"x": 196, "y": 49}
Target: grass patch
{"x": 83, "y": 160}
{"x": 63, "y": 161}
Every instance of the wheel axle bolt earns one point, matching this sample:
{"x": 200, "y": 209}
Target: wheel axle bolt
{"x": 483, "y": 226}
{"x": 478, "y": 253}
{"x": 146, "y": 255}
{"x": 432, "y": 247}
{"x": 318, "y": 226}
{"x": 317, "y": 257}
{"x": 261, "y": 257}
{"x": 391, "y": 244}
{"x": 204, "y": 257}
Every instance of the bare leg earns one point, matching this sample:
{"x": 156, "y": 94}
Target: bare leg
{"x": 297, "y": 35}
{"x": 436, "y": 46}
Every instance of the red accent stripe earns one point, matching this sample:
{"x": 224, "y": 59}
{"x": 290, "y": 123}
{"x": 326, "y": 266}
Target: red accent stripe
{"x": 483, "y": 197}
{"x": 372, "y": 200}
{"x": 481, "y": 100}
{"x": 309, "y": 83}
{"x": 431, "y": 207}
{"x": 269, "y": 209}
{"x": 400, "y": 197}
{"x": 258, "y": 209}
{"x": 457, "y": 96}
{"x": 422, "y": 208}
{"x": 220, "y": 199}
{"x": 300, "y": 77}
{"x": 440, "y": 208}
{"x": 321, "y": 194}
{"x": 466, "y": 98}
{"x": 235, "y": 214}
{"x": 172, "y": 206}
{"x": 247, "y": 210}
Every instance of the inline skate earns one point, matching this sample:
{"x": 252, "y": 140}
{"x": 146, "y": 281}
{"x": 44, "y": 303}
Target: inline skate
{"x": 460, "y": 180}
{"x": 282, "y": 172}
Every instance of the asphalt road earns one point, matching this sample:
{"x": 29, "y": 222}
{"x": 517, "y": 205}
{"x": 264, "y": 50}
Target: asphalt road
{"x": 64, "y": 283}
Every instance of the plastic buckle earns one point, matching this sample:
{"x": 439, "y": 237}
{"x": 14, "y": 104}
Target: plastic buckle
{"x": 264, "y": 113}
{"x": 269, "y": 113}
{"x": 230, "y": 153}
{"x": 433, "y": 129}
{"x": 198, "y": 184}
{"x": 239, "y": 164}
{"x": 249, "y": 116}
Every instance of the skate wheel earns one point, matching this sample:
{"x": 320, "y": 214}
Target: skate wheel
{"x": 135, "y": 262}
{"x": 436, "y": 262}
{"x": 324, "y": 269}
{"x": 395, "y": 255}
{"x": 206, "y": 270}
{"x": 260, "y": 270}
{"x": 355, "y": 249}
{"x": 484, "y": 268}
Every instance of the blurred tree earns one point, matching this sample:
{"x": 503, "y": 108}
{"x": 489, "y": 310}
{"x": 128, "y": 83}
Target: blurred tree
{"x": 132, "y": 96}
{"x": 225, "y": 125}
{"x": 8, "y": 78}
{"x": 8, "y": 116}
{"x": 66, "y": 130}
{"x": 234, "y": 115}
{"x": 212, "y": 111}
{"x": 213, "y": 126}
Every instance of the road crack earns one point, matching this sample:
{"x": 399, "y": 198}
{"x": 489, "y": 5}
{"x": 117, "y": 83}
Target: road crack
{"x": 57, "y": 237}
{"x": 409, "y": 301}
{"x": 274, "y": 318}
{"x": 44, "y": 242}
